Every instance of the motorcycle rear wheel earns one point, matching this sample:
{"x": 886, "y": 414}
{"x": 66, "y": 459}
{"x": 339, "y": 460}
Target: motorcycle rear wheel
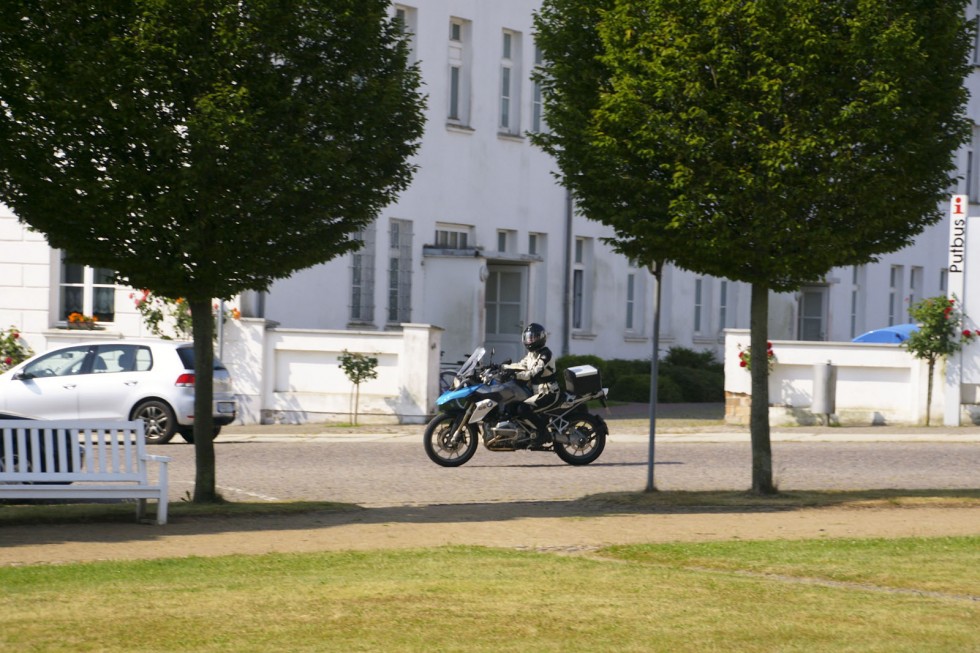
{"x": 588, "y": 439}
{"x": 440, "y": 447}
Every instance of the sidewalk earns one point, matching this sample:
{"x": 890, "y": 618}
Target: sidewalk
{"x": 627, "y": 423}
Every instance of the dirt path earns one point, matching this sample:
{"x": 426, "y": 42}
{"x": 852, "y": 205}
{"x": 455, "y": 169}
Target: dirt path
{"x": 546, "y": 526}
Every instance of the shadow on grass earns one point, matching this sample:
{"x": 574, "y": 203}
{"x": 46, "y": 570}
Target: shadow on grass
{"x": 52, "y": 524}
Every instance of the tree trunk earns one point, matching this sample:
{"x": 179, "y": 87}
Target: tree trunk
{"x": 932, "y": 367}
{"x": 759, "y": 417}
{"x": 357, "y": 400}
{"x": 203, "y": 330}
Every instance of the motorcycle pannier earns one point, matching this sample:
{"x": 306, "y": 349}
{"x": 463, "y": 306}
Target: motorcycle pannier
{"x": 582, "y": 380}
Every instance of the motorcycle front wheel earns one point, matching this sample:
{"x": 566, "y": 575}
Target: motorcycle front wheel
{"x": 445, "y": 450}
{"x": 587, "y": 435}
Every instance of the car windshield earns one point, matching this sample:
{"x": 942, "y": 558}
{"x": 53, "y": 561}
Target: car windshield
{"x": 187, "y": 358}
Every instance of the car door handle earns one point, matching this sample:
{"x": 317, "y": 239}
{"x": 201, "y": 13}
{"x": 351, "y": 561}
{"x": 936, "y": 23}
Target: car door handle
{"x": 70, "y": 386}
{"x": 131, "y": 383}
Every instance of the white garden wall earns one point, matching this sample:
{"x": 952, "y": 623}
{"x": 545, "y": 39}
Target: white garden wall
{"x": 876, "y": 383}
{"x": 294, "y": 376}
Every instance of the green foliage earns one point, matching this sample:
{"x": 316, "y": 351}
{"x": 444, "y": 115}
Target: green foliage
{"x": 685, "y": 376}
{"x": 940, "y": 334}
{"x": 783, "y": 137}
{"x": 359, "y": 367}
{"x": 204, "y": 149}
{"x": 698, "y": 376}
{"x": 765, "y": 142}
{"x": 940, "y": 331}
{"x": 13, "y": 349}
{"x": 164, "y": 316}
{"x": 171, "y": 318}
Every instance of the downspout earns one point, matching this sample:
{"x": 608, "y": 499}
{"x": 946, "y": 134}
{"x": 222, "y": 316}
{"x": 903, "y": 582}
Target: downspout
{"x": 567, "y": 290}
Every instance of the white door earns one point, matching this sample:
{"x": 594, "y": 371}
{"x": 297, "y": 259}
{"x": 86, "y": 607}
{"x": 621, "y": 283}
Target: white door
{"x": 506, "y": 308}
{"x": 813, "y": 313}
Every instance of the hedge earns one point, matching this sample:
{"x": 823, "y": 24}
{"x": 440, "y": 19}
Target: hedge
{"x": 685, "y": 376}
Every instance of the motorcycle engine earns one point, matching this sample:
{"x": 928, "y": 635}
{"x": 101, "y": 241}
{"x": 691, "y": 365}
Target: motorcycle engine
{"x": 504, "y": 436}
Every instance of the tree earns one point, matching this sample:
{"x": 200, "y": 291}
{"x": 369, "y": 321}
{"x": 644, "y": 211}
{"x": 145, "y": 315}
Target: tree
{"x": 204, "y": 147}
{"x": 939, "y": 335}
{"x": 765, "y": 142}
{"x": 358, "y": 368}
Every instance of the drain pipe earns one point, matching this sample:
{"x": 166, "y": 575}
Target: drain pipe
{"x": 567, "y": 283}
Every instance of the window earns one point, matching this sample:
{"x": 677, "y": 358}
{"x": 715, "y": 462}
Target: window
{"x": 723, "y": 305}
{"x": 400, "y": 271}
{"x": 698, "y": 304}
{"x": 915, "y": 288}
{"x": 362, "y": 278}
{"x": 536, "y": 244}
{"x": 62, "y": 362}
{"x": 510, "y": 83}
{"x": 581, "y": 284}
{"x": 969, "y": 175}
{"x": 943, "y": 278}
{"x": 630, "y": 299}
{"x": 506, "y": 240}
{"x": 895, "y": 284}
{"x": 857, "y": 300}
{"x": 85, "y": 290}
{"x": 459, "y": 72}
{"x": 407, "y": 17}
{"x": 450, "y": 236}
{"x": 976, "y": 39}
{"x": 971, "y": 182}
{"x": 537, "y": 108}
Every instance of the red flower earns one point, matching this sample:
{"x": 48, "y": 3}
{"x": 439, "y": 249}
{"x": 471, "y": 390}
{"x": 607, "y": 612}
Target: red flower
{"x": 8, "y": 361}
{"x": 743, "y": 364}
{"x": 967, "y": 333}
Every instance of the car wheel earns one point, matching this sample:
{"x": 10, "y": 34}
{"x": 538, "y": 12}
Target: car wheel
{"x": 187, "y": 432}
{"x": 158, "y": 419}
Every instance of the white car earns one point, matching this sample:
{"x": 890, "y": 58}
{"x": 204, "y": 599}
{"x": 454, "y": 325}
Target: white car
{"x": 152, "y": 381}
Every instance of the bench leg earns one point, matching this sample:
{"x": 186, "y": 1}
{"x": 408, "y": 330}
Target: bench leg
{"x": 140, "y": 509}
{"x": 162, "y": 510}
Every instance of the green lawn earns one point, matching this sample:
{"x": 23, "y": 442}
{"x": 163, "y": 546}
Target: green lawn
{"x": 914, "y": 595}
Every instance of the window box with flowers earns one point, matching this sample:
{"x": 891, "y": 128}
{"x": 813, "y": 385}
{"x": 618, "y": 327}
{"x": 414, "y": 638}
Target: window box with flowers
{"x": 77, "y": 321}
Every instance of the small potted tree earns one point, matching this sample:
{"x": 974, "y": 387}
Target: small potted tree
{"x": 358, "y": 368}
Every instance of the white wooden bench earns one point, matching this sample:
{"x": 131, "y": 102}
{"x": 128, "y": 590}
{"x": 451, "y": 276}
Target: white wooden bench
{"x": 80, "y": 459}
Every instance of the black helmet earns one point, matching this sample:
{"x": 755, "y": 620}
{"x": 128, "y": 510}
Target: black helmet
{"x": 534, "y": 336}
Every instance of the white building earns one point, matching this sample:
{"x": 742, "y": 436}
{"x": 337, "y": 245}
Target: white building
{"x": 485, "y": 241}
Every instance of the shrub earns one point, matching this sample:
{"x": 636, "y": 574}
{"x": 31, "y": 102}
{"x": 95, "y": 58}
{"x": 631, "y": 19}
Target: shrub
{"x": 683, "y": 357}
{"x": 685, "y": 376}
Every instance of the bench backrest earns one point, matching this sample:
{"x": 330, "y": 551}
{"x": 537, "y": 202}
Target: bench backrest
{"x": 72, "y": 451}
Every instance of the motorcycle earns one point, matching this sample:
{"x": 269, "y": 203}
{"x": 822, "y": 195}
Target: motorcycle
{"x": 469, "y": 411}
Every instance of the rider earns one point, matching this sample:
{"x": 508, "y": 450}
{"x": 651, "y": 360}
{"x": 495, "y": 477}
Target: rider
{"x": 537, "y": 369}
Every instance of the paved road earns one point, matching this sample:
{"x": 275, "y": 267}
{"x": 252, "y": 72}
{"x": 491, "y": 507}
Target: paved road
{"x": 395, "y": 470}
